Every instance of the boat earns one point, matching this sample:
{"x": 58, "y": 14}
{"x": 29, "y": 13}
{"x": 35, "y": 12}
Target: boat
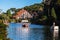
{"x": 25, "y": 23}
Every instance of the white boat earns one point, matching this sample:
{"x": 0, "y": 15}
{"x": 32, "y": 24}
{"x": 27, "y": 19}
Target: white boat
{"x": 25, "y": 23}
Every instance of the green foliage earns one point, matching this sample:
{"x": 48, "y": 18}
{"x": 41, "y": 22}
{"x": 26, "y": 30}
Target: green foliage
{"x": 53, "y": 13}
{"x": 3, "y": 32}
{"x": 9, "y": 13}
{"x": 34, "y": 7}
{"x": 43, "y": 18}
{"x": 37, "y": 8}
{"x": 2, "y": 25}
{"x": 1, "y": 21}
{"x": 1, "y": 17}
{"x": 58, "y": 2}
{"x": 13, "y": 9}
{"x": 4, "y": 16}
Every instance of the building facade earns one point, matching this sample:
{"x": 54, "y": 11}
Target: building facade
{"x": 22, "y": 14}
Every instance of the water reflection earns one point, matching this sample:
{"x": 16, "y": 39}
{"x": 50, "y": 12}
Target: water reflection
{"x": 34, "y": 32}
{"x": 16, "y": 32}
{"x": 22, "y": 33}
{"x": 51, "y": 34}
{"x": 55, "y": 33}
{"x": 21, "y": 29}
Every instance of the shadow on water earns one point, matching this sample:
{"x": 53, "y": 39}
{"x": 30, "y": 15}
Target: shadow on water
{"x": 48, "y": 34}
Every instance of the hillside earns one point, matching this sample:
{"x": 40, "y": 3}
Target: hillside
{"x": 36, "y": 10}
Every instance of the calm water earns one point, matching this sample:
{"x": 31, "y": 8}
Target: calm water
{"x": 34, "y": 32}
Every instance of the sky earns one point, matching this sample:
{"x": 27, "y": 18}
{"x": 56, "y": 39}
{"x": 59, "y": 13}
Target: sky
{"x": 7, "y": 4}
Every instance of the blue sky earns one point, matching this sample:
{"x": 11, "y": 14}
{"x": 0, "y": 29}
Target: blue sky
{"x": 6, "y": 4}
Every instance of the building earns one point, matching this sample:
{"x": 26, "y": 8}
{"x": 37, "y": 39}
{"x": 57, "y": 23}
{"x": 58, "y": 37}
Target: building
{"x": 22, "y": 14}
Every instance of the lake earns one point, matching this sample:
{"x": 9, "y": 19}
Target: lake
{"x": 34, "y": 32}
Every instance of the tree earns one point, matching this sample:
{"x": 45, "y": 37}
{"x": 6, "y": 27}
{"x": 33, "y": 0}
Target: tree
{"x": 9, "y": 13}
{"x": 13, "y": 10}
{"x": 3, "y": 32}
{"x": 58, "y": 2}
{"x": 53, "y": 13}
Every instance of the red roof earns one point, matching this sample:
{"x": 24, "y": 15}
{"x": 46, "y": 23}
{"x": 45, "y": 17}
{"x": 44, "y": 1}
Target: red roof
{"x": 20, "y": 13}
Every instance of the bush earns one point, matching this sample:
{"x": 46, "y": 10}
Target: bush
{"x": 3, "y": 32}
{"x": 3, "y": 25}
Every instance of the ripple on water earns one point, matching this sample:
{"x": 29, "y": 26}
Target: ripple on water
{"x": 34, "y": 32}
